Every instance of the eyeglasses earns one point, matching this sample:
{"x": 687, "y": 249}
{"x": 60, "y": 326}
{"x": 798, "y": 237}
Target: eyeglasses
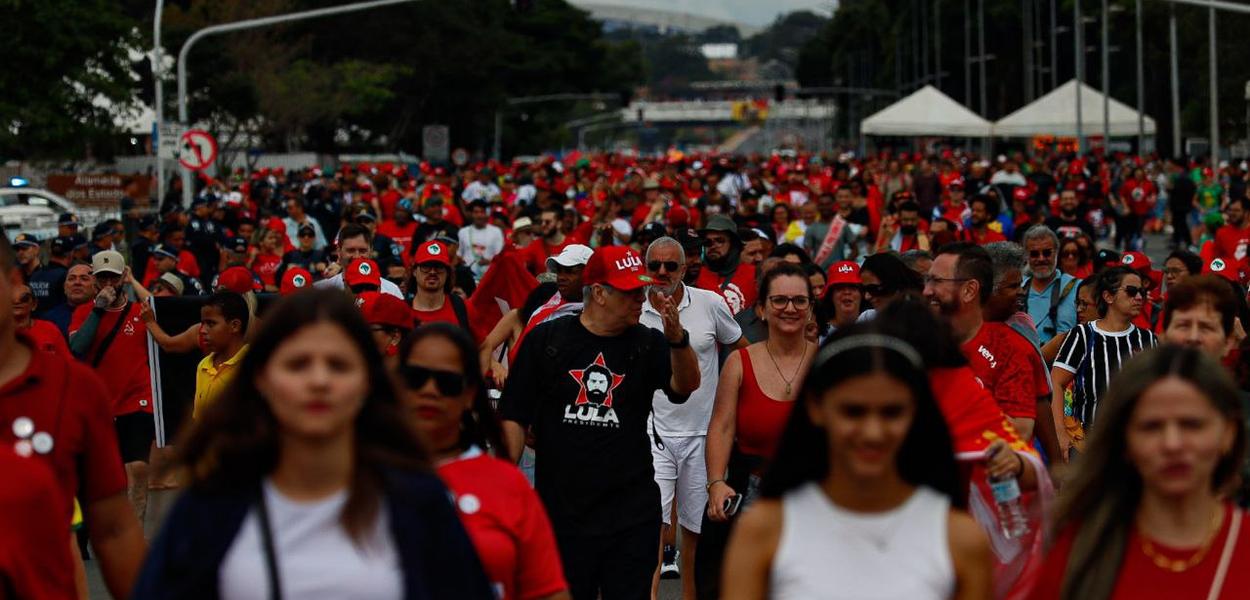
{"x": 447, "y": 382}
{"x": 1041, "y": 253}
{"x": 430, "y": 267}
{"x": 1133, "y": 290}
{"x": 931, "y": 280}
{"x": 780, "y": 302}
{"x": 669, "y": 265}
{"x": 1176, "y": 272}
{"x": 876, "y": 289}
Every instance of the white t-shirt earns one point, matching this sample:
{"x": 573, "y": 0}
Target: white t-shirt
{"x": 316, "y": 558}
{"x": 476, "y": 244}
{"x": 706, "y": 316}
{"x": 477, "y": 190}
{"x": 336, "y": 283}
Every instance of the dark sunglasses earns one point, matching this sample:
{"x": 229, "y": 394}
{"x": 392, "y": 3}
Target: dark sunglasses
{"x": 448, "y": 383}
{"x": 1041, "y": 253}
{"x": 308, "y": 235}
{"x": 1133, "y": 290}
{"x": 876, "y": 289}
{"x": 669, "y": 265}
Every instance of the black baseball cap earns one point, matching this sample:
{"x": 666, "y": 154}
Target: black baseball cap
{"x": 166, "y": 251}
{"x": 25, "y": 240}
{"x": 101, "y": 230}
{"x": 62, "y": 245}
{"x": 67, "y": 219}
{"x": 236, "y": 244}
{"x": 148, "y": 222}
{"x": 307, "y": 230}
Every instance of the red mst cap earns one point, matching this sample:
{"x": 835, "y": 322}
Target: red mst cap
{"x": 616, "y": 266}
{"x": 1228, "y": 271}
{"x": 384, "y": 309}
{"x": 294, "y": 280}
{"x": 236, "y": 279}
{"x": 362, "y": 271}
{"x": 1137, "y": 261}
{"x": 844, "y": 273}
{"x": 435, "y": 252}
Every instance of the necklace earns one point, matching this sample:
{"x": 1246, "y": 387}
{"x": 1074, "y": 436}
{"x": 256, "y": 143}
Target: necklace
{"x": 1176, "y": 565}
{"x": 778, "y": 367}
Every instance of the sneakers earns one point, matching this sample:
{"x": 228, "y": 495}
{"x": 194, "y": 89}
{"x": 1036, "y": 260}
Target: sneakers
{"x": 669, "y": 568}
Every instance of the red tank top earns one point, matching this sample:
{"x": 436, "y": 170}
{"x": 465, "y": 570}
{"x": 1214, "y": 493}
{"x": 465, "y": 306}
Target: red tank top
{"x": 761, "y": 418}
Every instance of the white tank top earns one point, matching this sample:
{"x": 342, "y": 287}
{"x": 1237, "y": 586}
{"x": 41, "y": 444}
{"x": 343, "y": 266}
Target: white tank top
{"x": 826, "y": 551}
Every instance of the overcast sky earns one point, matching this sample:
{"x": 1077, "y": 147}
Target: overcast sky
{"x": 751, "y": 12}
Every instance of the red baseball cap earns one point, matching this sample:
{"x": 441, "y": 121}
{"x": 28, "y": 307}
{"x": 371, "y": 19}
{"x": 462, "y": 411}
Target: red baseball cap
{"x": 432, "y": 252}
{"x": 362, "y": 271}
{"x": 294, "y": 280}
{"x": 678, "y": 216}
{"x": 1137, "y": 261}
{"x": 843, "y": 273}
{"x": 1229, "y": 271}
{"x": 236, "y": 279}
{"x": 616, "y": 266}
{"x": 384, "y": 309}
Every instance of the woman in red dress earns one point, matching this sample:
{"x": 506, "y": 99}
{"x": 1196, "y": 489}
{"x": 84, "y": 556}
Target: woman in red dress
{"x": 1147, "y": 513}
{"x": 444, "y": 399}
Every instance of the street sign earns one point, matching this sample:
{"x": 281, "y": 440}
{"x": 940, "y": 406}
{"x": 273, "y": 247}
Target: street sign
{"x": 197, "y": 149}
{"x": 168, "y": 137}
{"x": 436, "y": 142}
{"x": 460, "y": 157}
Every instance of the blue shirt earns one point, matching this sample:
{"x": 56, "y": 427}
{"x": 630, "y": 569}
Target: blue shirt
{"x": 1039, "y": 307}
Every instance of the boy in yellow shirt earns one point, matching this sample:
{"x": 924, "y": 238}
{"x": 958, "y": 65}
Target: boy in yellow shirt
{"x": 223, "y": 324}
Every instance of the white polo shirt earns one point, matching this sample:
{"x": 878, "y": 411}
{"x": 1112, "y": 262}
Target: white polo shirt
{"x": 706, "y": 316}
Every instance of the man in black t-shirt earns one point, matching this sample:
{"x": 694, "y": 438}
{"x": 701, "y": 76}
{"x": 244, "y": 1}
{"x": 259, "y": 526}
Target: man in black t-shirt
{"x": 1070, "y": 222}
{"x": 585, "y": 383}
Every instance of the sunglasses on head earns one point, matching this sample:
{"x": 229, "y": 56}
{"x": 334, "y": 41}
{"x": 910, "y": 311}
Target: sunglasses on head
{"x": 448, "y": 383}
{"x": 669, "y": 265}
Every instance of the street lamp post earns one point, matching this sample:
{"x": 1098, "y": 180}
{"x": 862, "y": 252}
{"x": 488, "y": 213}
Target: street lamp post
{"x": 158, "y": 99}
{"x": 1215, "y": 88}
{"x": 1078, "y": 54}
{"x": 1176, "y": 83}
{"x": 1106, "y": 84}
{"x": 251, "y": 24}
{"x": 1141, "y": 89}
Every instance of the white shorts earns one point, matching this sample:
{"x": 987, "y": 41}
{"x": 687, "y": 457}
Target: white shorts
{"x": 681, "y": 471}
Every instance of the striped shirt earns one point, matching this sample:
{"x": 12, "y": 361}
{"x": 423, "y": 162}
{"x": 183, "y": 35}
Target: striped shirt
{"x": 1093, "y": 356}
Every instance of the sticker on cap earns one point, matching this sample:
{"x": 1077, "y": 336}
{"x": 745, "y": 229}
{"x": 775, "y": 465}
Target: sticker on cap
{"x": 1217, "y": 265}
{"x": 363, "y": 268}
{"x": 1128, "y": 259}
{"x": 434, "y": 249}
{"x": 299, "y": 281}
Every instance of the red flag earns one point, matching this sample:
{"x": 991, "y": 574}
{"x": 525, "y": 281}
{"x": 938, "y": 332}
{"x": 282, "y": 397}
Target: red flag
{"x": 505, "y": 286}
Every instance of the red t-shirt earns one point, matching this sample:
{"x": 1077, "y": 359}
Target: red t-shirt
{"x": 536, "y": 253}
{"x": 508, "y": 526}
{"x": 387, "y": 201}
{"x": 988, "y": 236}
{"x": 400, "y": 234}
{"x": 187, "y": 264}
{"x": 33, "y": 555}
{"x": 65, "y": 399}
{"x": 445, "y": 314}
{"x": 47, "y": 338}
{"x": 266, "y": 268}
{"x": 1231, "y": 242}
{"x": 1140, "y": 578}
{"x": 124, "y": 366}
{"x": 972, "y": 416}
{"x": 739, "y": 291}
{"x": 1000, "y": 359}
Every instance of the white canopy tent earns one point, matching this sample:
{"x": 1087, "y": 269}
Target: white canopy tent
{"x": 1055, "y": 114}
{"x": 926, "y": 112}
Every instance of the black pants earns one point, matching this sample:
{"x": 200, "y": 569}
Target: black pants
{"x": 1128, "y": 231}
{"x": 1180, "y": 229}
{"x": 619, "y": 566}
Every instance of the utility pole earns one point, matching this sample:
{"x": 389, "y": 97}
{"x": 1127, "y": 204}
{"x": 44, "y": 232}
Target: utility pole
{"x": 1054, "y": 45}
{"x": 1106, "y": 82}
{"x": 967, "y": 54}
{"x": 1176, "y": 83}
{"x": 158, "y": 99}
{"x": 1141, "y": 89}
{"x": 1026, "y": 29}
{"x": 1078, "y": 54}
{"x": 937, "y": 41}
{"x": 981, "y": 50}
{"x": 1215, "y": 88}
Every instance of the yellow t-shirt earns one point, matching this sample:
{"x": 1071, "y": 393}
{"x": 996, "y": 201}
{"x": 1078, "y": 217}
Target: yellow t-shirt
{"x": 210, "y": 380}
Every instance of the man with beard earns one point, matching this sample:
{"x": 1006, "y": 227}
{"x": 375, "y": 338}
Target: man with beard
{"x": 828, "y": 239}
{"x": 550, "y": 241}
{"x": 1052, "y": 294}
{"x": 902, "y": 232}
{"x": 723, "y": 271}
{"x": 108, "y": 334}
{"x": 433, "y": 301}
{"x": 1232, "y": 238}
{"x": 983, "y": 212}
{"x": 1069, "y": 223}
{"x": 680, "y": 468}
{"x": 435, "y": 225}
{"x": 958, "y": 286}
{"x": 586, "y": 385}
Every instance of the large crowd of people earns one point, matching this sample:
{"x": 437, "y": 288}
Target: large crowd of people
{"x": 787, "y": 376}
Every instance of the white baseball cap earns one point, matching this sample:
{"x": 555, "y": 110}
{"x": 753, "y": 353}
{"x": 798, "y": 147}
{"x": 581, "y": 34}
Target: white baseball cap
{"x": 573, "y": 255}
{"x": 108, "y": 261}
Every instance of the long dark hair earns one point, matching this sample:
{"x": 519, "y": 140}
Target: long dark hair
{"x": 1108, "y": 282}
{"x": 479, "y": 425}
{"x": 894, "y": 274}
{"x": 234, "y": 443}
{"x": 927, "y": 456}
{"x": 1101, "y": 500}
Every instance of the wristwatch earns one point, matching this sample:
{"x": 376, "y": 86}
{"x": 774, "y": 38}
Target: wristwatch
{"x": 684, "y": 343}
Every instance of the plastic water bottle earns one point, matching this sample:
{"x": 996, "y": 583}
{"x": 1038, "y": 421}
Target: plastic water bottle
{"x": 1010, "y": 510}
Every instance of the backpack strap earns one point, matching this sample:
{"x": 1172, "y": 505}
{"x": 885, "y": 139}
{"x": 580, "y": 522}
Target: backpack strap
{"x": 108, "y": 339}
{"x": 1057, "y": 294}
{"x": 462, "y": 312}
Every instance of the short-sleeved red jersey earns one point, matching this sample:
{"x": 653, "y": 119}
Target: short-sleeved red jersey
{"x": 124, "y": 365}
{"x": 1000, "y": 358}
